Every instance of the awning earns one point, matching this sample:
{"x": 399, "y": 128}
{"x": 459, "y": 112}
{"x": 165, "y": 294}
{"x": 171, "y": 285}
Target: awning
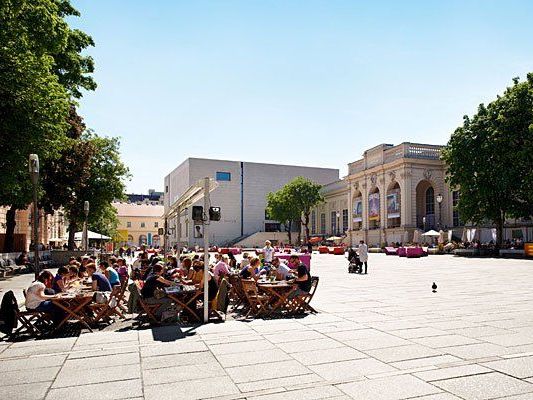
{"x": 431, "y": 233}
{"x": 91, "y": 235}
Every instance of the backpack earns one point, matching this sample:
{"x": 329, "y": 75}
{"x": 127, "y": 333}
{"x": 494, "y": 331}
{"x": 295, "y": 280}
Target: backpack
{"x": 8, "y": 313}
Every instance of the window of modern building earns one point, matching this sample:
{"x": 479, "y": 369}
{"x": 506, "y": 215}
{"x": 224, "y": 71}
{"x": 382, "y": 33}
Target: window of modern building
{"x": 313, "y": 222}
{"x": 272, "y": 227}
{"x": 455, "y": 201}
{"x": 344, "y": 220}
{"x": 143, "y": 225}
{"x": 223, "y": 176}
{"x": 156, "y": 224}
{"x": 322, "y": 224}
{"x": 166, "y": 189}
{"x": 333, "y": 222}
{"x": 128, "y": 224}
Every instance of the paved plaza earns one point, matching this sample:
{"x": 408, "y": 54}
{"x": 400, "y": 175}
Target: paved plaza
{"x": 384, "y": 335}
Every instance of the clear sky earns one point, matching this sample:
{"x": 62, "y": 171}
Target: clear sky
{"x": 297, "y": 82}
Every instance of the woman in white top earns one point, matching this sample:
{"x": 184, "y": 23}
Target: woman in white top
{"x": 36, "y": 299}
{"x": 362, "y": 251}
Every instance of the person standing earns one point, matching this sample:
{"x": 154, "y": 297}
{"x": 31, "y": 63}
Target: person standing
{"x": 362, "y": 250}
{"x": 268, "y": 252}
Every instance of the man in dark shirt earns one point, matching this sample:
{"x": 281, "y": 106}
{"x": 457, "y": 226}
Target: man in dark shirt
{"x": 100, "y": 282}
{"x": 303, "y": 280}
{"x": 153, "y": 281}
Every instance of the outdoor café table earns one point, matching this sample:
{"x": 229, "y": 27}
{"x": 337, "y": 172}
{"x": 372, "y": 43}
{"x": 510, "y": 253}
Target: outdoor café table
{"x": 74, "y": 307}
{"x": 279, "y": 293}
{"x": 184, "y": 295}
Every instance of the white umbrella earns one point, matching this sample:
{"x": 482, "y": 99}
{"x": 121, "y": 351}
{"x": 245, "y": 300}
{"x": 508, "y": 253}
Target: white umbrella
{"x": 406, "y": 237}
{"x": 441, "y": 237}
{"x": 463, "y": 237}
{"x": 450, "y": 235}
{"x": 431, "y": 233}
{"x": 333, "y": 238}
{"x": 416, "y": 236}
{"x": 91, "y": 235}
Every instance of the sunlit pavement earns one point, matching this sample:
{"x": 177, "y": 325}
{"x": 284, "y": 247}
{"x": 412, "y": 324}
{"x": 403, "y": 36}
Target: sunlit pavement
{"x": 384, "y": 335}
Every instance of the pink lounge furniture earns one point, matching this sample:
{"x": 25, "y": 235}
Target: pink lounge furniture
{"x": 391, "y": 251}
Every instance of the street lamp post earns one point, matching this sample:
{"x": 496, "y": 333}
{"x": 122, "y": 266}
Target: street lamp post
{"x": 34, "y": 174}
{"x": 85, "y": 233}
{"x": 424, "y": 222}
{"x": 338, "y": 214}
{"x": 439, "y": 202}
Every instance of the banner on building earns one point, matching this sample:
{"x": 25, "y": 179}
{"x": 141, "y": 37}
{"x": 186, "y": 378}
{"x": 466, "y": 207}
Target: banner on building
{"x": 121, "y": 235}
{"x": 373, "y": 207}
{"x": 358, "y": 210}
{"x": 393, "y": 205}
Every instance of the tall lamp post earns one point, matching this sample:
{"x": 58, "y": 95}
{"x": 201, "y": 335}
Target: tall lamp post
{"x": 424, "y": 222}
{"x": 439, "y": 202}
{"x": 85, "y": 235}
{"x": 338, "y": 214}
{"x": 34, "y": 174}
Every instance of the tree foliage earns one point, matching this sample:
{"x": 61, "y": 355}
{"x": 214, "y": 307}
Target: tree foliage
{"x": 280, "y": 208}
{"x": 490, "y": 159}
{"x": 41, "y": 69}
{"x": 299, "y": 196}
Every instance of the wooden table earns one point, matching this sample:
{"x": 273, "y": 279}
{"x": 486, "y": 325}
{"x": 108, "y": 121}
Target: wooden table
{"x": 74, "y": 307}
{"x": 184, "y": 298}
{"x": 278, "y": 291}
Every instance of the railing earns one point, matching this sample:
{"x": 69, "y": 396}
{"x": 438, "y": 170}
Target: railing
{"x": 423, "y": 151}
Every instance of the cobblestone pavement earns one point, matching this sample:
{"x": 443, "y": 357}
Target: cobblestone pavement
{"x": 384, "y": 335}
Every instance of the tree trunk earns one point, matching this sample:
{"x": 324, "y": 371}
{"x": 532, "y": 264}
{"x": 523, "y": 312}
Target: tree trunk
{"x": 305, "y": 223}
{"x": 9, "y": 240}
{"x": 499, "y": 230}
{"x": 289, "y": 232}
{"x": 71, "y": 233}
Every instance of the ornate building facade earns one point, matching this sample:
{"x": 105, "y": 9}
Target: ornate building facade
{"x": 387, "y": 195}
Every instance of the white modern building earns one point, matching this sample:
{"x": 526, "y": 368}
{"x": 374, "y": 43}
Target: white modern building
{"x": 241, "y": 195}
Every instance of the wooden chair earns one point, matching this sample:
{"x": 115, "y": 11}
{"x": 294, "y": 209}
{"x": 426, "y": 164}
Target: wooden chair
{"x": 257, "y": 302}
{"x": 237, "y": 295}
{"x": 219, "y": 306}
{"x": 145, "y": 310}
{"x": 301, "y": 303}
{"x": 109, "y": 309}
{"x": 121, "y": 297}
{"x": 32, "y": 322}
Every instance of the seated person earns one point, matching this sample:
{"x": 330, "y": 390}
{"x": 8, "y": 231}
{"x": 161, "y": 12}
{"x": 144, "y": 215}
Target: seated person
{"x": 245, "y": 260}
{"x": 22, "y": 259}
{"x": 221, "y": 268}
{"x": 251, "y": 270}
{"x": 100, "y": 282}
{"x": 122, "y": 270}
{"x": 59, "y": 282}
{"x": 183, "y": 271}
{"x": 303, "y": 280}
{"x": 282, "y": 269}
{"x": 82, "y": 272}
{"x": 110, "y": 273}
{"x": 212, "y": 287}
{"x": 155, "y": 280}
{"x": 196, "y": 273}
{"x": 73, "y": 274}
{"x": 38, "y": 300}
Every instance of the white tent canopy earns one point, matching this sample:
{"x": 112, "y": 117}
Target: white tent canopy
{"x": 92, "y": 236}
{"x": 431, "y": 233}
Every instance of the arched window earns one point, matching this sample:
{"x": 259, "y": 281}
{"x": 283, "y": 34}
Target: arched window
{"x": 430, "y": 201}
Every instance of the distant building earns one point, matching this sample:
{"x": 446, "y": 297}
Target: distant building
{"x": 152, "y": 197}
{"x": 139, "y": 224}
{"x": 241, "y": 194}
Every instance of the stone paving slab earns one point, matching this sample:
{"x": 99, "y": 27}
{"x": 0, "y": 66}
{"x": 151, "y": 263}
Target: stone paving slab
{"x": 380, "y": 336}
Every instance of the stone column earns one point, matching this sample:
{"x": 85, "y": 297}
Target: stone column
{"x": 406, "y": 212}
{"x": 364, "y": 199}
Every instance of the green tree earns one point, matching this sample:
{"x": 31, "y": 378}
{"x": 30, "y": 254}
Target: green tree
{"x": 490, "y": 159}
{"x": 91, "y": 170}
{"x": 280, "y": 208}
{"x": 303, "y": 195}
{"x": 40, "y": 68}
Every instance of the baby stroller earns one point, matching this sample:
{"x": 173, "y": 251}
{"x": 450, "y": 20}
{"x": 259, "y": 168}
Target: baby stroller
{"x": 354, "y": 264}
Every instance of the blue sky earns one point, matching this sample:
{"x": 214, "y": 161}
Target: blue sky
{"x": 295, "y": 82}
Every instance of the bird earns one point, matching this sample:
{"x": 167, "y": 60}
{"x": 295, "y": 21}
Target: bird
{"x": 434, "y": 287}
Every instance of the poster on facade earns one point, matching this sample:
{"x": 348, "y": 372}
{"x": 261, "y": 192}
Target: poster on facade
{"x": 358, "y": 210}
{"x": 373, "y": 207}
{"x": 198, "y": 231}
{"x": 393, "y": 205}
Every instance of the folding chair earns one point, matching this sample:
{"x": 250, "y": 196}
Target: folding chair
{"x": 257, "y": 302}
{"x": 237, "y": 295}
{"x": 32, "y": 322}
{"x": 109, "y": 309}
{"x": 145, "y": 309}
{"x": 121, "y": 297}
{"x": 301, "y": 303}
